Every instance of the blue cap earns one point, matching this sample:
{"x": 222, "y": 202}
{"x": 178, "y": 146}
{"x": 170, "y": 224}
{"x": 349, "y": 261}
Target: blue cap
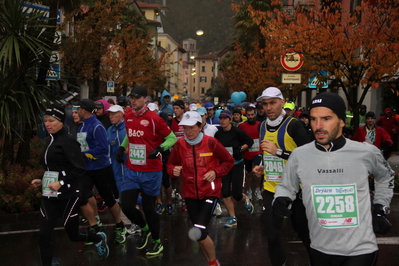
{"x": 209, "y": 105}
{"x": 201, "y": 111}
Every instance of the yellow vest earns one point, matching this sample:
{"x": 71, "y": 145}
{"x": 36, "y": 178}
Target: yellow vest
{"x": 283, "y": 141}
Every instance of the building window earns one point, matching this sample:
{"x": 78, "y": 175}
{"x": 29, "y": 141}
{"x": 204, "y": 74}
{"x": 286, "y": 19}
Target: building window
{"x": 203, "y": 62}
{"x": 193, "y": 89}
{"x": 203, "y": 90}
{"x": 203, "y": 68}
{"x": 202, "y": 79}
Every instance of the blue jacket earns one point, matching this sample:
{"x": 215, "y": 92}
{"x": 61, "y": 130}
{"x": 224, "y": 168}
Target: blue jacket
{"x": 93, "y": 140}
{"x": 116, "y": 134}
{"x": 167, "y": 108}
{"x": 214, "y": 121}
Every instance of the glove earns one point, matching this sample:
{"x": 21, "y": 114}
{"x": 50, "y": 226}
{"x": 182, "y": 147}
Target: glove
{"x": 91, "y": 157}
{"x": 155, "y": 152}
{"x": 119, "y": 154}
{"x": 281, "y": 207}
{"x": 385, "y": 145}
{"x": 381, "y": 225}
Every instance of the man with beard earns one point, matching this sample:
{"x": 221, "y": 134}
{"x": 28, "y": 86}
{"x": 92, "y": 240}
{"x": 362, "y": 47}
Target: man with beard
{"x": 251, "y": 127}
{"x": 333, "y": 173}
{"x": 280, "y": 134}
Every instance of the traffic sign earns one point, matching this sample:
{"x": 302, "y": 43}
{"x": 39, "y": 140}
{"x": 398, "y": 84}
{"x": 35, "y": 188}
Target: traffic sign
{"x": 28, "y": 7}
{"x": 292, "y": 61}
{"x": 287, "y": 78}
{"x": 53, "y": 73}
{"x": 314, "y": 82}
{"x": 110, "y": 86}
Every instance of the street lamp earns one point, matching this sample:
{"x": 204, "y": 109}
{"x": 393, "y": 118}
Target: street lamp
{"x": 199, "y": 32}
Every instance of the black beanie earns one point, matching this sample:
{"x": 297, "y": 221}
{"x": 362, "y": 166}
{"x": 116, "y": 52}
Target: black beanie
{"x": 370, "y": 114}
{"x": 179, "y": 103}
{"x": 56, "y": 111}
{"x": 331, "y": 101}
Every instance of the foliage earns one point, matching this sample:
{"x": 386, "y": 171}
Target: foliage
{"x": 109, "y": 42}
{"x": 16, "y": 193}
{"x": 358, "y": 49}
{"x": 22, "y": 48}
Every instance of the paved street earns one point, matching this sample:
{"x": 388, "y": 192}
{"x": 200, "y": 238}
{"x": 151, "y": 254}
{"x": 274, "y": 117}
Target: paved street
{"x": 244, "y": 245}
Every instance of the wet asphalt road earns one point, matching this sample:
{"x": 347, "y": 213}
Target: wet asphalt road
{"x": 243, "y": 245}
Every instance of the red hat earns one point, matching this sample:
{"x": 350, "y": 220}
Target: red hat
{"x": 387, "y": 110}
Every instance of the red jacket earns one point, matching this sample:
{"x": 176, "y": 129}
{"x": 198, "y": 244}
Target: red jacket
{"x": 198, "y": 160}
{"x": 381, "y": 135}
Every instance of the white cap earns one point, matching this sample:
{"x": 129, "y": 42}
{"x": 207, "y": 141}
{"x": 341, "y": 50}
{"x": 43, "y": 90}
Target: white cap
{"x": 268, "y": 93}
{"x": 190, "y": 118}
{"x": 153, "y": 106}
{"x": 116, "y": 108}
{"x": 193, "y": 107}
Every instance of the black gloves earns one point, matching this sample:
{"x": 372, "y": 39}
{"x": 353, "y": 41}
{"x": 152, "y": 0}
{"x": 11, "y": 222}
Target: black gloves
{"x": 155, "y": 152}
{"x": 119, "y": 154}
{"x": 281, "y": 207}
{"x": 381, "y": 225}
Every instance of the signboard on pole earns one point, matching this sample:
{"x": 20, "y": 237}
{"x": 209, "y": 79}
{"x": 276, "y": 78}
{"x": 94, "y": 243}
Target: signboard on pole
{"x": 54, "y": 73}
{"x": 110, "y": 86}
{"x": 292, "y": 61}
{"x": 314, "y": 82}
{"x": 287, "y": 78}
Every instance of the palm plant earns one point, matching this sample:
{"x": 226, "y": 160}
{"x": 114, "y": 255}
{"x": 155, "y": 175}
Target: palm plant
{"x": 22, "y": 47}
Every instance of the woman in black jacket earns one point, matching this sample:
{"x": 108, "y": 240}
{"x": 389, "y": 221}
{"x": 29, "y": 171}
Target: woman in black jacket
{"x": 60, "y": 184}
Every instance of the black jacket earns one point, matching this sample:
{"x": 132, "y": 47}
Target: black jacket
{"x": 62, "y": 154}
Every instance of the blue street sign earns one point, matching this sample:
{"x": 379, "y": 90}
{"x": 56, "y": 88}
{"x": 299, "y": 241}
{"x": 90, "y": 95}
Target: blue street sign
{"x": 314, "y": 81}
{"x": 30, "y": 6}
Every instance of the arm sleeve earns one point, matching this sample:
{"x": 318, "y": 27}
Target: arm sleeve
{"x": 174, "y": 160}
{"x": 220, "y": 152}
{"x": 125, "y": 142}
{"x": 358, "y": 135}
{"x": 383, "y": 179}
{"x": 74, "y": 156}
{"x": 289, "y": 185}
{"x": 385, "y": 136}
{"x": 170, "y": 140}
{"x": 101, "y": 142}
{"x": 244, "y": 138}
{"x": 298, "y": 132}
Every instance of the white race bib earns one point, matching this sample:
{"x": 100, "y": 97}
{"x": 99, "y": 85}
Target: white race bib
{"x": 336, "y": 206}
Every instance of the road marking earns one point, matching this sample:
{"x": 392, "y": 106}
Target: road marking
{"x": 394, "y": 240}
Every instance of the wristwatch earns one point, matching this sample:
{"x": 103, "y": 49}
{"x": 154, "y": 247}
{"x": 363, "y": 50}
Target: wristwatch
{"x": 279, "y": 152}
{"x": 62, "y": 182}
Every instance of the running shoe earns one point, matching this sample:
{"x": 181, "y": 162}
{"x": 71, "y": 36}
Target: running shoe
{"x": 169, "y": 209}
{"x": 102, "y": 246}
{"x": 142, "y": 242}
{"x": 155, "y": 249}
{"x": 134, "y": 229}
{"x": 231, "y": 222}
{"x": 258, "y": 195}
{"x": 248, "y": 205}
{"x": 94, "y": 231}
{"x": 173, "y": 193}
{"x": 159, "y": 208}
{"x": 218, "y": 210}
{"x": 120, "y": 235}
{"x": 249, "y": 194}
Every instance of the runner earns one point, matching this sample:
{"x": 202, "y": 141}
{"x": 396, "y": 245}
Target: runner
{"x": 333, "y": 172}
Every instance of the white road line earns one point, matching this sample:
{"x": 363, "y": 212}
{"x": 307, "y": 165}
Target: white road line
{"x": 394, "y": 240}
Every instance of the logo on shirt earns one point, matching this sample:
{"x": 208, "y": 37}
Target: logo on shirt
{"x": 129, "y": 120}
{"x": 144, "y": 123}
{"x": 331, "y": 171}
{"x": 135, "y": 133}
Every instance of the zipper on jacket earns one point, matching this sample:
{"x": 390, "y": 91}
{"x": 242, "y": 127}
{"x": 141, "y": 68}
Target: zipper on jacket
{"x": 45, "y": 154}
{"x": 195, "y": 174}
